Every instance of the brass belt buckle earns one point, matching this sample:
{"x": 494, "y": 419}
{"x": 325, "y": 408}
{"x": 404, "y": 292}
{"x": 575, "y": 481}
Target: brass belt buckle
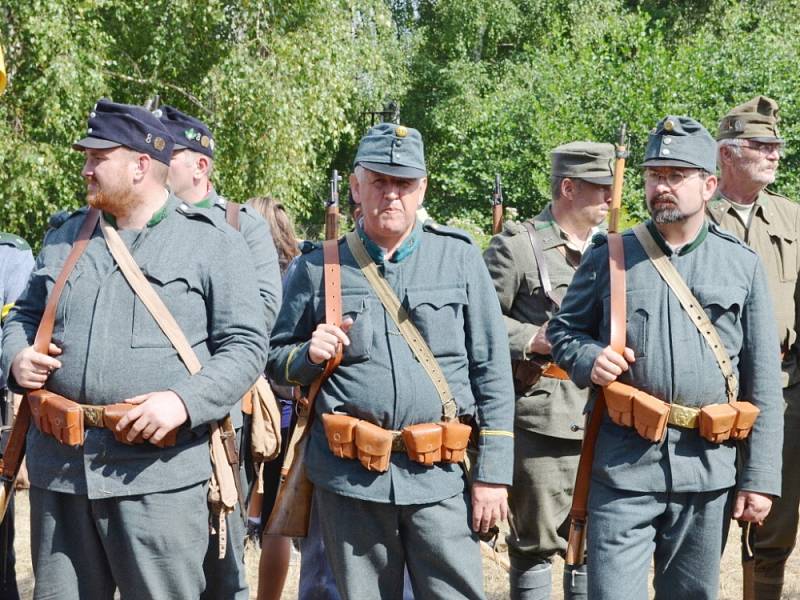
{"x": 683, "y": 416}
{"x": 92, "y": 416}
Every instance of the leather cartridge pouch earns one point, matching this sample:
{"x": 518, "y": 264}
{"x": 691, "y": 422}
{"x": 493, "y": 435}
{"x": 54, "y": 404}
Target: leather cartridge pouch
{"x": 57, "y": 416}
{"x": 716, "y": 422}
{"x": 340, "y": 431}
{"x": 526, "y": 373}
{"x": 650, "y": 416}
{"x": 373, "y": 446}
{"x": 455, "y": 439}
{"x": 745, "y": 417}
{"x": 112, "y": 413}
{"x": 423, "y": 443}
{"x": 619, "y": 402}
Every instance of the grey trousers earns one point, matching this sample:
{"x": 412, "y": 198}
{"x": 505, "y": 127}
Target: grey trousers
{"x": 684, "y": 532}
{"x": 369, "y": 543}
{"x": 149, "y": 546}
{"x": 776, "y": 539}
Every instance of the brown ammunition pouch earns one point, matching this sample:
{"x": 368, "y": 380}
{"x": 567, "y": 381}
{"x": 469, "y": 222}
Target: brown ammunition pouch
{"x": 630, "y": 407}
{"x": 65, "y": 419}
{"x": 425, "y": 443}
{"x": 528, "y": 372}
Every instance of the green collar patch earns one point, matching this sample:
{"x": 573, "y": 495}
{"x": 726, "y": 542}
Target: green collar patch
{"x": 403, "y": 251}
{"x": 157, "y": 217}
{"x": 686, "y": 248}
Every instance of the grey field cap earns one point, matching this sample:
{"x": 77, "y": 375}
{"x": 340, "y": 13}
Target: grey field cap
{"x": 393, "y": 150}
{"x": 590, "y": 161}
{"x": 681, "y": 142}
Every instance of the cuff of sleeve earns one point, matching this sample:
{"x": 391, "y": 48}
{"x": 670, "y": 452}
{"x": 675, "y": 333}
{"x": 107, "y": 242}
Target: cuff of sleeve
{"x": 763, "y": 481}
{"x": 495, "y": 457}
{"x": 197, "y": 414}
{"x": 299, "y": 370}
{"x": 581, "y": 372}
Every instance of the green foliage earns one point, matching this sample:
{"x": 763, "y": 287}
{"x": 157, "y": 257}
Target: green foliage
{"x": 493, "y": 85}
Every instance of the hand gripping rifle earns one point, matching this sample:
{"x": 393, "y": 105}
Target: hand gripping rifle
{"x": 332, "y": 208}
{"x": 616, "y": 259}
{"x": 497, "y": 206}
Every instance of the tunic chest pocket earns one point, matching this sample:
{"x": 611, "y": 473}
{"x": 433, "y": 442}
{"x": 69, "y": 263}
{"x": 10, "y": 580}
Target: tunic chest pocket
{"x": 786, "y": 247}
{"x": 439, "y": 316}
{"x": 183, "y": 296}
{"x": 723, "y": 305}
{"x": 360, "y": 310}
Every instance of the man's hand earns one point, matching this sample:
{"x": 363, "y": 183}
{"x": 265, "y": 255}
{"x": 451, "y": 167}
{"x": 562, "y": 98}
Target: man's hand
{"x": 539, "y": 343}
{"x": 326, "y": 339}
{"x": 156, "y": 415}
{"x": 751, "y": 506}
{"x": 610, "y": 364}
{"x": 489, "y": 505}
{"x": 31, "y": 368}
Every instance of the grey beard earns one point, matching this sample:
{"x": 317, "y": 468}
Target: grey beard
{"x": 665, "y": 216}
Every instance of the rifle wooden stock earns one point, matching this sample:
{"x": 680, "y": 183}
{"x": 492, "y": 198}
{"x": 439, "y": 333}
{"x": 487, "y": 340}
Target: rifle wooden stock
{"x": 497, "y": 218}
{"x": 332, "y": 222}
{"x": 13, "y": 455}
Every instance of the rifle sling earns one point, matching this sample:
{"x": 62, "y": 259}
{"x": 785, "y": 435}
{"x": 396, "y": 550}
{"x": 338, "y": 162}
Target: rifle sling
{"x": 408, "y": 330}
{"x": 232, "y": 210}
{"x": 691, "y": 305}
{"x": 541, "y": 264}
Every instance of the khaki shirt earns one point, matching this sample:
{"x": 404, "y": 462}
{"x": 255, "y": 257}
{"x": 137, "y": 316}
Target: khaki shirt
{"x": 551, "y": 406}
{"x": 773, "y": 234}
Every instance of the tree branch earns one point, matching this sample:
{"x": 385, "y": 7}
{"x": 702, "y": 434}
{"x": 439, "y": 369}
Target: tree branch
{"x": 161, "y": 84}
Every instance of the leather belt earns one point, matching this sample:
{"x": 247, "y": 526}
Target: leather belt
{"x": 554, "y": 372}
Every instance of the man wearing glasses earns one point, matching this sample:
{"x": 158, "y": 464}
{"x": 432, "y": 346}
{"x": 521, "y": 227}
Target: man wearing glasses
{"x": 750, "y": 148}
{"x": 667, "y": 491}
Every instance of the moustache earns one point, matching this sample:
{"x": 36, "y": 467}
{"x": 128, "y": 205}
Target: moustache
{"x": 665, "y": 198}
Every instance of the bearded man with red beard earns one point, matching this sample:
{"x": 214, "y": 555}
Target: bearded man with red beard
{"x": 750, "y": 149}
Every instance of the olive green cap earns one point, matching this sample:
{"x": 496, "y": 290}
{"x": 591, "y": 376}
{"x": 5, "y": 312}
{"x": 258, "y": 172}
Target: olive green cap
{"x": 393, "y": 150}
{"x": 590, "y": 161}
{"x": 756, "y": 120}
{"x": 681, "y": 142}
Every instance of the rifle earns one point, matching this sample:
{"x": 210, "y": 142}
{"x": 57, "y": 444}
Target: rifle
{"x": 578, "y": 513}
{"x": 497, "y": 206}
{"x": 332, "y": 208}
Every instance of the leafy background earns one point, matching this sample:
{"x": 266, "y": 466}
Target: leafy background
{"x": 493, "y": 85}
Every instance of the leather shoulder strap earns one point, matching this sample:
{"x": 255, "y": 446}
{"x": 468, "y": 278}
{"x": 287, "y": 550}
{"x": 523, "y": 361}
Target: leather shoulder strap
{"x": 691, "y": 305}
{"x": 541, "y": 264}
{"x": 404, "y": 323}
{"x": 616, "y": 275}
{"x": 232, "y": 210}
{"x": 44, "y": 334}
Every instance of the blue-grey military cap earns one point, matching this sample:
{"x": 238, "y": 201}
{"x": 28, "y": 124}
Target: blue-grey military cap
{"x": 681, "y": 142}
{"x": 188, "y": 131}
{"x": 393, "y": 150}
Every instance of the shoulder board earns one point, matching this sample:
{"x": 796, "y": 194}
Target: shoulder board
{"x": 513, "y": 227}
{"x": 712, "y": 228}
{"x": 221, "y": 201}
{"x": 599, "y": 239}
{"x": 57, "y": 219}
{"x": 10, "y": 239}
{"x": 538, "y": 225}
{"x": 434, "y": 227}
{"x": 307, "y": 246}
{"x": 198, "y": 214}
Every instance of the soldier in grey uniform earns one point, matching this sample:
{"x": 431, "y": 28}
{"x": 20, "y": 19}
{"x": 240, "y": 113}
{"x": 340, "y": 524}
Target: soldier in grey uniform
{"x": 749, "y": 151}
{"x": 16, "y": 263}
{"x": 672, "y": 499}
{"x": 531, "y": 265}
{"x": 105, "y": 514}
{"x": 425, "y": 517}
{"x": 189, "y": 178}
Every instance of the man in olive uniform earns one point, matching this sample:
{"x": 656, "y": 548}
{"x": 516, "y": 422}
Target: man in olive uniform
{"x": 107, "y": 514}
{"x": 671, "y": 499}
{"x": 749, "y": 151}
{"x": 189, "y": 179}
{"x": 16, "y": 263}
{"x": 531, "y": 265}
{"x": 423, "y": 516}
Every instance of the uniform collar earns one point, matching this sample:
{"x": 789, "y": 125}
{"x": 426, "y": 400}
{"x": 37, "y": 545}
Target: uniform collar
{"x": 157, "y": 217}
{"x": 686, "y": 248}
{"x": 210, "y": 200}
{"x": 551, "y": 234}
{"x": 719, "y": 205}
{"x": 403, "y": 251}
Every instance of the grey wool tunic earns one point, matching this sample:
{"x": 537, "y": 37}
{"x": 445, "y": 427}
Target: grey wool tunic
{"x": 675, "y": 364}
{"x": 443, "y": 283}
{"x": 114, "y": 350}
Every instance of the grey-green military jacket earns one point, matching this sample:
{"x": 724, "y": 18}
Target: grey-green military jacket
{"x": 675, "y": 364}
{"x": 16, "y": 264}
{"x": 444, "y": 285}
{"x": 551, "y": 406}
{"x": 774, "y": 234}
{"x": 113, "y": 349}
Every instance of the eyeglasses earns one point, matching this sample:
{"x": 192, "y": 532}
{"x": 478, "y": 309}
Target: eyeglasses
{"x": 765, "y": 148}
{"x": 673, "y": 179}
